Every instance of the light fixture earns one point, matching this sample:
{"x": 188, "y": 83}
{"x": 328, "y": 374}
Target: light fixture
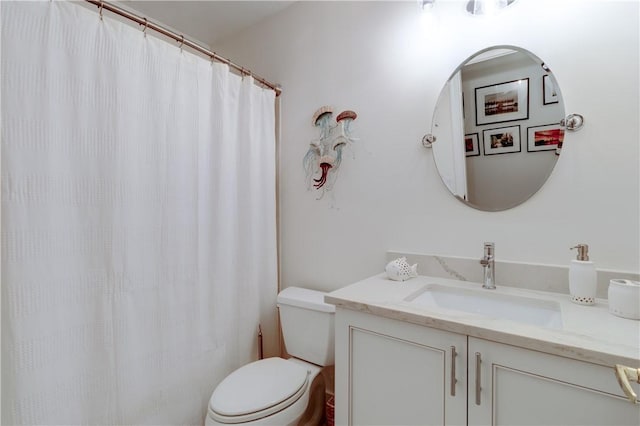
{"x": 486, "y": 7}
{"x": 426, "y": 4}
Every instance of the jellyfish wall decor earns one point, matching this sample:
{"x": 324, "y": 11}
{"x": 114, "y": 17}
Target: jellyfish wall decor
{"x": 322, "y": 161}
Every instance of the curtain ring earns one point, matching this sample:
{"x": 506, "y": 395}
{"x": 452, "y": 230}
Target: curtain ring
{"x": 146, "y": 24}
{"x": 181, "y": 42}
{"x": 100, "y": 8}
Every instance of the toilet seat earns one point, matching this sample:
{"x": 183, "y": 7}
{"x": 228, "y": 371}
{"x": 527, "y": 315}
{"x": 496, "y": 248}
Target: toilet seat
{"x": 258, "y": 390}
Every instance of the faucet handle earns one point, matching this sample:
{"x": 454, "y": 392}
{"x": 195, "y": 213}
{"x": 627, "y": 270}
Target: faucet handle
{"x": 489, "y": 248}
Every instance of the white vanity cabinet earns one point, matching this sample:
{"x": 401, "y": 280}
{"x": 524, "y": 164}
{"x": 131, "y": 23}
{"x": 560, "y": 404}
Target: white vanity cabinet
{"x": 391, "y": 372}
{"x": 509, "y": 385}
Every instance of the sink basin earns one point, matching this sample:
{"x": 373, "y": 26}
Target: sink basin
{"x": 543, "y": 313}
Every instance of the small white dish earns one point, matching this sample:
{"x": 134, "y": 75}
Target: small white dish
{"x": 624, "y": 298}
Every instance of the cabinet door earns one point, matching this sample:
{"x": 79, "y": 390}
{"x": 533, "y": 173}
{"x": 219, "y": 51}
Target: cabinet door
{"x": 394, "y": 373}
{"x": 524, "y": 387}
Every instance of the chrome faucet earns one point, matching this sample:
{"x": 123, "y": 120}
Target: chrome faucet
{"x": 489, "y": 265}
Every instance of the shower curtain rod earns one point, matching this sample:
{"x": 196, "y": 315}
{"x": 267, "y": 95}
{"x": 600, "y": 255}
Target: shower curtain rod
{"x": 183, "y": 41}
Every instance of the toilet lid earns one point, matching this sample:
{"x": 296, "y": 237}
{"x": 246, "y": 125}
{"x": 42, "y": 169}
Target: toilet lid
{"x": 259, "y": 389}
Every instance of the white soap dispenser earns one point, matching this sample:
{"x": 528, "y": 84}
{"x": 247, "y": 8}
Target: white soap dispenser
{"x": 582, "y": 277}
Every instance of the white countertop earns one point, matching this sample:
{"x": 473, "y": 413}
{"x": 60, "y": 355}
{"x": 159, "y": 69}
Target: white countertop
{"x": 589, "y": 333}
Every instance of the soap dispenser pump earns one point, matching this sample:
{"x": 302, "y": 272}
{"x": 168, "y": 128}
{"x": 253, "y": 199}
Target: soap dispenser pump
{"x": 582, "y": 277}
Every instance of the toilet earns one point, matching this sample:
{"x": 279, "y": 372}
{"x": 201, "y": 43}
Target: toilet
{"x": 278, "y": 391}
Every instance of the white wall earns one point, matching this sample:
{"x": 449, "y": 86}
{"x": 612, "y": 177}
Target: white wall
{"x": 378, "y": 59}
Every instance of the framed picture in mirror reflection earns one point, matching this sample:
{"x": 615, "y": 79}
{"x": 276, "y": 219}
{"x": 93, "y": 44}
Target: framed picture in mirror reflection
{"x": 471, "y": 145}
{"x": 502, "y": 102}
{"x": 549, "y": 91}
{"x": 503, "y": 140}
{"x": 544, "y": 138}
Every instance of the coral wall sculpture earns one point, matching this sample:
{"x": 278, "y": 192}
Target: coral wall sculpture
{"x": 322, "y": 161}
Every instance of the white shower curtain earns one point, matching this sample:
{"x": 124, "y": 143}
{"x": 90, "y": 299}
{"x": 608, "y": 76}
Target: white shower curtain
{"x": 138, "y": 221}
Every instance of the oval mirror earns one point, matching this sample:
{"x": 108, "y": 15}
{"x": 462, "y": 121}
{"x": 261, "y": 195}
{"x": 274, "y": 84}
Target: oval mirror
{"x": 497, "y": 128}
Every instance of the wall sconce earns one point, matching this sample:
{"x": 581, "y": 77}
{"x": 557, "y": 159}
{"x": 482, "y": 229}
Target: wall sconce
{"x": 486, "y": 7}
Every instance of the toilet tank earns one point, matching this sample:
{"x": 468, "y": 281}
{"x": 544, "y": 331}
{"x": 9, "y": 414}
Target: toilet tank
{"x": 307, "y": 325}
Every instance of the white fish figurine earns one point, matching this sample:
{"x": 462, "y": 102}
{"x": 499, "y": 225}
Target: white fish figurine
{"x": 400, "y": 270}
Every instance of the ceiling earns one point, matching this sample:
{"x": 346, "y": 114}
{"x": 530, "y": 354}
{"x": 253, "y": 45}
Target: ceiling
{"x": 206, "y": 21}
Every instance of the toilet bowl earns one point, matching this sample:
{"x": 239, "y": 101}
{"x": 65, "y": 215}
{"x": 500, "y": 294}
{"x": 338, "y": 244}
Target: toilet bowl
{"x": 277, "y": 391}
{"x": 272, "y": 391}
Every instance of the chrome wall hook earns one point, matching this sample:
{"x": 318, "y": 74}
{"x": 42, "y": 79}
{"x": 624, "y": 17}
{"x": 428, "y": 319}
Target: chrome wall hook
{"x": 572, "y": 122}
{"x": 428, "y": 140}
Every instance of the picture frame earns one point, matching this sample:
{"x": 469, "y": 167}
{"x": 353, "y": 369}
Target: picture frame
{"x": 548, "y": 137}
{"x": 499, "y": 103}
{"x": 471, "y": 145}
{"x": 549, "y": 92}
{"x": 502, "y": 140}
